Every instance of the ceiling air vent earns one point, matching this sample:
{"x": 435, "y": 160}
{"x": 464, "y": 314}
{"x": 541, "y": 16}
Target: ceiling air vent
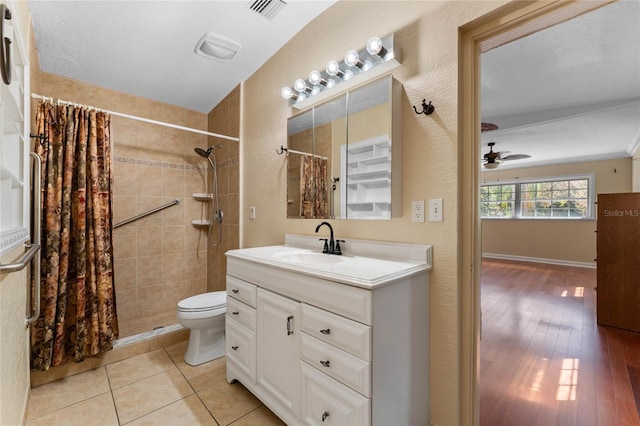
{"x": 267, "y": 8}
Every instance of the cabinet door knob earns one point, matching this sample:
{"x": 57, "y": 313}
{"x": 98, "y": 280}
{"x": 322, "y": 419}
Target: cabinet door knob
{"x": 326, "y": 363}
{"x": 326, "y": 331}
{"x": 325, "y": 415}
{"x": 235, "y": 290}
{"x": 235, "y": 348}
{"x": 289, "y": 325}
{"x": 235, "y": 312}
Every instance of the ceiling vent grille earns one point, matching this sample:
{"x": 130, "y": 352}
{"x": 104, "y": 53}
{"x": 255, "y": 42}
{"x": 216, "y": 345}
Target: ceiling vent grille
{"x": 267, "y": 8}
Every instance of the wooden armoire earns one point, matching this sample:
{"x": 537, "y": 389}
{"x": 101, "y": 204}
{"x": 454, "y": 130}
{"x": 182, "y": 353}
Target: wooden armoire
{"x": 618, "y": 259}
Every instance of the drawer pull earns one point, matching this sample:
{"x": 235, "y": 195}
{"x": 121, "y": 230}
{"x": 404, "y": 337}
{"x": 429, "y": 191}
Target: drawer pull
{"x": 235, "y": 290}
{"x": 235, "y": 312}
{"x": 290, "y": 325}
{"x": 235, "y": 348}
{"x": 325, "y": 415}
{"x": 326, "y": 363}
{"x": 326, "y": 331}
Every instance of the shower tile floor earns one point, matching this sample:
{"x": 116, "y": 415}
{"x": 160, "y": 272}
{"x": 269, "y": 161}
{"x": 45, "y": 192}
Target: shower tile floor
{"x": 156, "y": 388}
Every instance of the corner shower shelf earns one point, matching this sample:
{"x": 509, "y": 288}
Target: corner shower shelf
{"x": 200, "y": 222}
{"x": 202, "y": 196}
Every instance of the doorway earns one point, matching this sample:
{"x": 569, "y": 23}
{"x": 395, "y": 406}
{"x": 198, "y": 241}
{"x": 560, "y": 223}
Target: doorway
{"x": 509, "y": 23}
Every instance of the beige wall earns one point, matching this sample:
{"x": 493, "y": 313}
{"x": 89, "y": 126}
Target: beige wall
{"x": 225, "y": 119}
{"x": 427, "y": 32}
{"x": 561, "y": 240}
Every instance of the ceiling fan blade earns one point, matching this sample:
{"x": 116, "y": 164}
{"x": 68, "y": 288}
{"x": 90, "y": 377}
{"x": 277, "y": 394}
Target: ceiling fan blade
{"x": 515, "y": 157}
{"x": 485, "y": 127}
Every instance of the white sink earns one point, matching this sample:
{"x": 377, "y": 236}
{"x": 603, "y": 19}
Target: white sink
{"x": 304, "y": 257}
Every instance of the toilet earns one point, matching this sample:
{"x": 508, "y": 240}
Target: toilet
{"x": 203, "y": 315}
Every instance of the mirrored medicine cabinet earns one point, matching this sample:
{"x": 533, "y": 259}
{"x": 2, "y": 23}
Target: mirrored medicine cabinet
{"x": 344, "y": 156}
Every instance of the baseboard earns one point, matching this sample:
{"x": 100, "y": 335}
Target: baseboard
{"x": 539, "y": 260}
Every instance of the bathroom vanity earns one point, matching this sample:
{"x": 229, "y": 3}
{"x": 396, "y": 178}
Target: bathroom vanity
{"x": 328, "y": 339}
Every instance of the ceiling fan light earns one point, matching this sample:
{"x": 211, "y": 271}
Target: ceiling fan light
{"x": 491, "y": 165}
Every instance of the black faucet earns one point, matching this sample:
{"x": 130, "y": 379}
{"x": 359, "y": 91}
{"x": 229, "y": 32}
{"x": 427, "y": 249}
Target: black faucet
{"x": 331, "y": 247}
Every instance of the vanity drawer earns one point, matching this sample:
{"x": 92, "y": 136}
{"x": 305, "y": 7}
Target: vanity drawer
{"x": 344, "y": 367}
{"x": 241, "y": 290}
{"x": 244, "y": 314}
{"x": 240, "y": 345}
{"x": 350, "y": 336}
{"x": 327, "y": 402}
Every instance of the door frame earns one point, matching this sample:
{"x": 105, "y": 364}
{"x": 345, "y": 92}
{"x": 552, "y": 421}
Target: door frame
{"x": 510, "y": 22}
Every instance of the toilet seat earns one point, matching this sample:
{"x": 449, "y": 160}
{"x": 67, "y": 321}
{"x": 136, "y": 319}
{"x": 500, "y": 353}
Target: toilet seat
{"x": 203, "y": 302}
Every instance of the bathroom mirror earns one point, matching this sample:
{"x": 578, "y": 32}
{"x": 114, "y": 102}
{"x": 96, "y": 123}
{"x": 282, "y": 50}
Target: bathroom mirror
{"x": 341, "y": 156}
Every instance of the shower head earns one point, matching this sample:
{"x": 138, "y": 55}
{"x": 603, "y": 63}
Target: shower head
{"x": 202, "y": 153}
{"x": 205, "y": 154}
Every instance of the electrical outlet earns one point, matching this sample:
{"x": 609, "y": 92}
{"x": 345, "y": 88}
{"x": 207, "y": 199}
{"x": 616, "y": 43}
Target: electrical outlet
{"x": 435, "y": 210}
{"x": 252, "y": 212}
{"x": 417, "y": 214}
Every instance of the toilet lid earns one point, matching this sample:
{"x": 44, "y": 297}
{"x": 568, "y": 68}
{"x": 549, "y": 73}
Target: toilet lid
{"x": 202, "y": 302}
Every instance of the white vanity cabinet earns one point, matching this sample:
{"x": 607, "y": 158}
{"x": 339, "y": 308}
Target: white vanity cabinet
{"x": 346, "y": 343}
{"x": 279, "y": 348}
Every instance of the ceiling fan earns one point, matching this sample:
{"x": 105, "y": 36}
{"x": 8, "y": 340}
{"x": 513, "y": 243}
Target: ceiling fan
{"x": 492, "y": 159}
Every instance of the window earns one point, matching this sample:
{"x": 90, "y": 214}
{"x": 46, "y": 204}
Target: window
{"x": 498, "y": 200}
{"x": 569, "y": 198}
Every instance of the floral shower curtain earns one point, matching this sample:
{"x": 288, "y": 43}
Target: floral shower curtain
{"x": 313, "y": 187}
{"x": 78, "y": 309}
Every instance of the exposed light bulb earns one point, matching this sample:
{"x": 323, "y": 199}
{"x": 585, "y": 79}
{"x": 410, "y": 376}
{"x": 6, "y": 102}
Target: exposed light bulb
{"x": 315, "y": 77}
{"x": 334, "y": 69}
{"x": 375, "y": 47}
{"x": 287, "y": 93}
{"x": 352, "y": 59}
{"x": 300, "y": 85}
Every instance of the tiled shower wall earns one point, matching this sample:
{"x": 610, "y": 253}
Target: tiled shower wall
{"x": 225, "y": 119}
{"x": 162, "y": 258}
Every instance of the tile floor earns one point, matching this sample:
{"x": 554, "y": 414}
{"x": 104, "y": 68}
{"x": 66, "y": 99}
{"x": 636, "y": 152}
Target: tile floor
{"x": 156, "y": 388}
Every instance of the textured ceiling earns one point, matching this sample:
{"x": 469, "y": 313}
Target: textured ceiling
{"x": 146, "y": 48}
{"x": 568, "y": 93}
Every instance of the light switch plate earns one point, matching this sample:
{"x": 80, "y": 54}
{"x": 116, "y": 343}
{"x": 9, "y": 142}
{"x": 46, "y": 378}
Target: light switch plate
{"x": 252, "y": 212}
{"x": 435, "y": 210}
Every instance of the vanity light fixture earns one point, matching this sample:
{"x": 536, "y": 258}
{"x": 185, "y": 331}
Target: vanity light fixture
{"x": 378, "y": 57}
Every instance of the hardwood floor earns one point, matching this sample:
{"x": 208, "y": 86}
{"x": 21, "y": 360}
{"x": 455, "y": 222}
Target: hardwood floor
{"x": 544, "y": 360}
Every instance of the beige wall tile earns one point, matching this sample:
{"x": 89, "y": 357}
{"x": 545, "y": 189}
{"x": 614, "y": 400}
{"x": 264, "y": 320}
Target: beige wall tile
{"x": 195, "y": 264}
{"x": 149, "y": 240}
{"x": 124, "y": 207}
{"x": 124, "y": 178}
{"x": 147, "y": 178}
{"x": 172, "y": 182}
{"x": 149, "y": 271}
{"x": 127, "y": 305}
{"x": 173, "y": 239}
{"x": 150, "y": 301}
{"x": 173, "y": 215}
{"x": 125, "y": 273}
{"x": 124, "y": 242}
{"x": 173, "y": 268}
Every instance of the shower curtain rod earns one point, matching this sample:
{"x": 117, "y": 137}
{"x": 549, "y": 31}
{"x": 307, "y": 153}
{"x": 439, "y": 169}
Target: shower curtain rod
{"x": 135, "y": 117}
